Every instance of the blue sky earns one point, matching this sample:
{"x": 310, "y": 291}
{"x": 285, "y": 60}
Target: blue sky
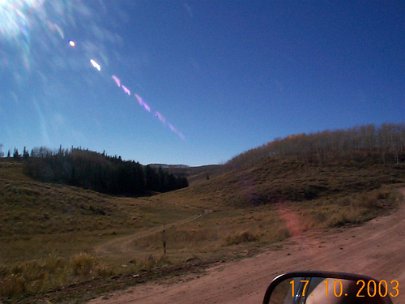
{"x": 228, "y": 75}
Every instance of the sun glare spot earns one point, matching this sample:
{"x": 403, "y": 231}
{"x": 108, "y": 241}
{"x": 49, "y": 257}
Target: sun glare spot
{"x": 14, "y": 15}
{"x": 95, "y": 65}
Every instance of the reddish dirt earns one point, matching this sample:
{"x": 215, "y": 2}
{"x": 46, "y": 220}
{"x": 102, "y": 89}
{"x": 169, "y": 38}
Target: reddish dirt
{"x": 376, "y": 248}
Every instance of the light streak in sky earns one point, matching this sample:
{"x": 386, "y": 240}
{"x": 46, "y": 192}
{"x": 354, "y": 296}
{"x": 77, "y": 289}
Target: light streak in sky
{"x": 147, "y": 108}
{"x": 55, "y": 28}
{"x": 174, "y": 130}
{"x": 160, "y": 117}
{"x": 20, "y": 18}
{"x": 139, "y": 100}
{"x": 95, "y": 65}
{"x": 142, "y": 102}
{"x": 171, "y": 127}
{"x": 116, "y": 80}
{"x": 126, "y": 90}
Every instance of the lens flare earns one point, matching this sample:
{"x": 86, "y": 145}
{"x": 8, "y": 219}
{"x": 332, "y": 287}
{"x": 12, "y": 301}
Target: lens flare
{"x": 116, "y": 80}
{"x": 16, "y": 19}
{"x": 146, "y": 107}
{"x": 171, "y": 127}
{"x": 126, "y": 90}
{"x": 160, "y": 117}
{"x": 139, "y": 100}
{"x": 23, "y": 20}
{"x": 14, "y": 16}
{"x": 95, "y": 65}
{"x": 142, "y": 102}
{"x": 56, "y": 28}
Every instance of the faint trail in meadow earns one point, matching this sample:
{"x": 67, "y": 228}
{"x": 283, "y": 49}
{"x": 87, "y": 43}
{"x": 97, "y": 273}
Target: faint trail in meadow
{"x": 123, "y": 244}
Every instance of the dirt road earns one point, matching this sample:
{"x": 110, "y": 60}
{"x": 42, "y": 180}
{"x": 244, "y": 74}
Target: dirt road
{"x": 376, "y": 249}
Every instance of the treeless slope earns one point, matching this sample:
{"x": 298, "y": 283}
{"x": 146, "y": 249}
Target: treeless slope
{"x": 275, "y": 180}
{"x": 376, "y": 249}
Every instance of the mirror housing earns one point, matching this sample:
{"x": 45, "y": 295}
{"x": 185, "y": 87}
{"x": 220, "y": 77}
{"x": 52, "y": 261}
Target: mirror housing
{"x": 314, "y": 287}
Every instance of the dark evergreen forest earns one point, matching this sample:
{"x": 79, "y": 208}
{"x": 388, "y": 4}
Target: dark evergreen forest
{"x": 97, "y": 171}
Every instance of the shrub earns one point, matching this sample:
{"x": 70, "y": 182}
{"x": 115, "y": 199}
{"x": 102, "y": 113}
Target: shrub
{"x": 83, "y": 264}
{"x": 243, "y": 237}
{"x": 12, "y": 285}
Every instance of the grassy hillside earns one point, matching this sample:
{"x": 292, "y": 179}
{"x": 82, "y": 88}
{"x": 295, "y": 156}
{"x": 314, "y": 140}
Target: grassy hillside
{"x": 48, "y": 231}
{"x": 365, "y": 144}
{"x": 50, "y": 234}
{"x": 253, "y": 195}
{"x": 54, "y": 236}
{"x": 309, "y": 166}
{"x": 30, "y": 207}
{"x": 273, "y": 180}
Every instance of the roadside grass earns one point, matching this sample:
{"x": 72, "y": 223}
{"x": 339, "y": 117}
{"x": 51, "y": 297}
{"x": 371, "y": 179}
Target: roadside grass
{"x": 225, "y": 233}
{"x": 48, "y": 232}
{"x": 352, "y": 209}
{"x": 51, "y": 272}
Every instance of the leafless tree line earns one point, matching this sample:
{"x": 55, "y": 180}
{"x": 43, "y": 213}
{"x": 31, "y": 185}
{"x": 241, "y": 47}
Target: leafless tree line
{"x": 382, "y": 144}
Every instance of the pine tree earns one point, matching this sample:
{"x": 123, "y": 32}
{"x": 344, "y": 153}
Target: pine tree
{"x": 25, "y": 153}
{"x": 16, "y": 155}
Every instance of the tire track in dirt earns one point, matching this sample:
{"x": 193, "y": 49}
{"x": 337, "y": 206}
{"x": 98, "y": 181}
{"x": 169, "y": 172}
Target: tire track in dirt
{"x": 122, "y": 244}
{"x": 376, "y": 248}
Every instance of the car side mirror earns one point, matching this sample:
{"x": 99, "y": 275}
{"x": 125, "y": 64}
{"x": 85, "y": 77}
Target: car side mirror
{"x": 329, "y": 288}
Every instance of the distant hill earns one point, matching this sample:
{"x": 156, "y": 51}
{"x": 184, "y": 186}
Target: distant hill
{"x": 193, "y": 174}
{"x": 307, "y": 166}
{"x": 165, "y": 166}
{"x": 295, "y": 168}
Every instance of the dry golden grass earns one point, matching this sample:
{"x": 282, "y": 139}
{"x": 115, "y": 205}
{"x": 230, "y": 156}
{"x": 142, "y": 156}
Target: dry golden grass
{"x": 227, "y": 232}
{"x": 353, "y": 209}
{"x": 48, "y": 232}
{"x": 241, "y": 237}
{"x": 46, "y": 228}
{"x": 273, "y": 180}
{"x": 31, "y": 277}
